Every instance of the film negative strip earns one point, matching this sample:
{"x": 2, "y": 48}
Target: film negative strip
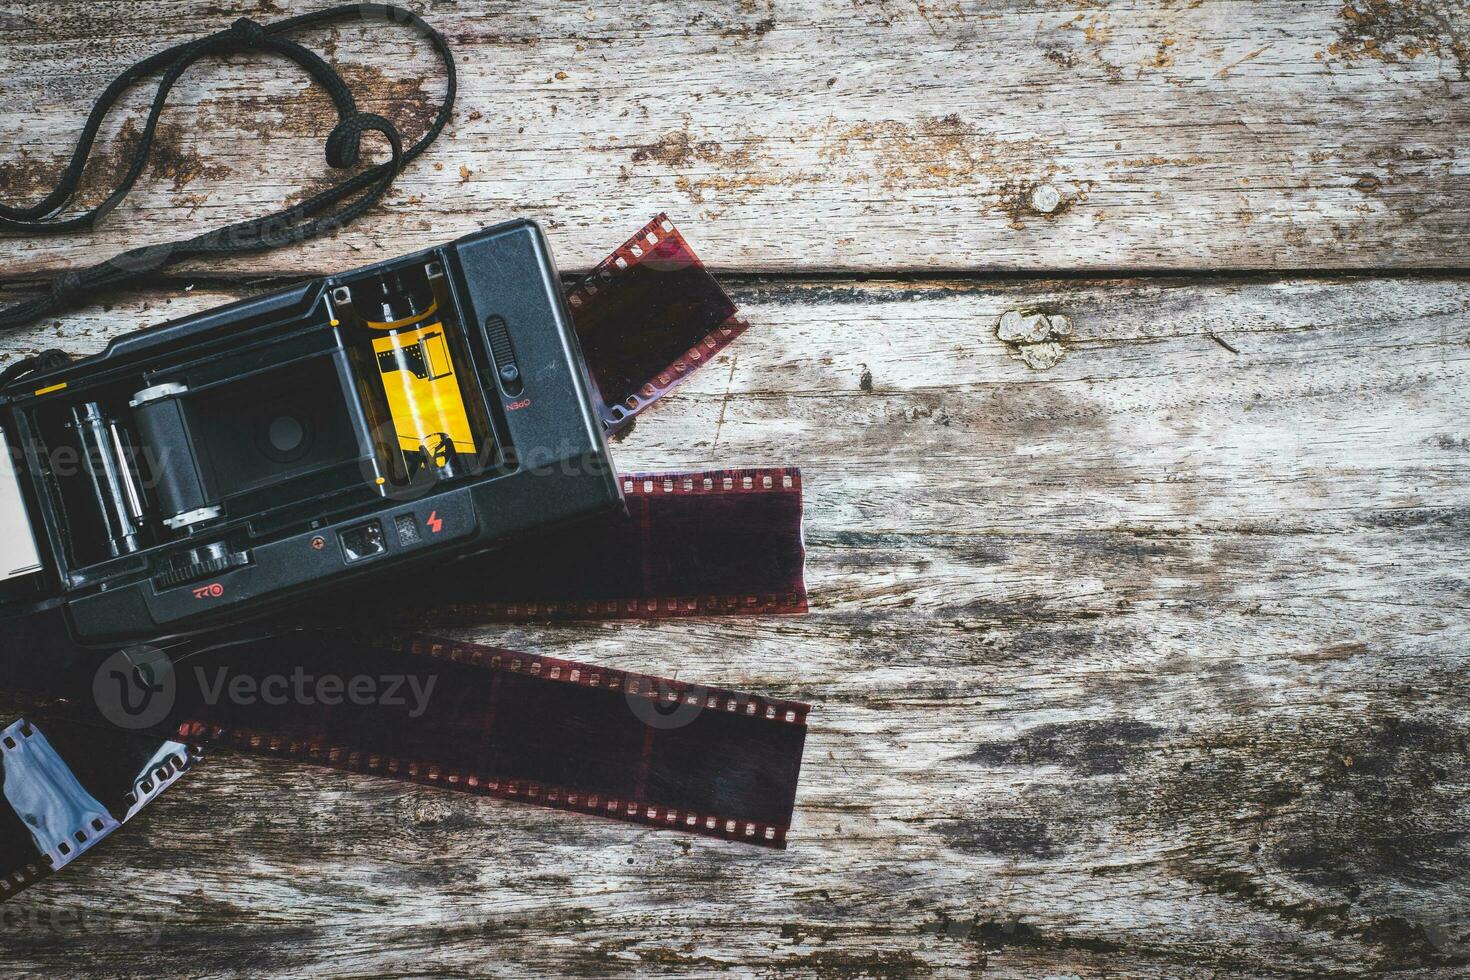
{"x": 495, "y": 722}
{"x": 542, "y": 730}
{"x": 67, "y": 786}
{"x": 548, "y": 731}
{"x": 648, "y": 316}
{"x": 553, "y": 732}
{"x": 721, "y": 542}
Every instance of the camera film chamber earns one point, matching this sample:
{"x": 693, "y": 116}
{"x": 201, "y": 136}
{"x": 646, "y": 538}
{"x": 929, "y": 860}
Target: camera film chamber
{"x": 202, "y": 470}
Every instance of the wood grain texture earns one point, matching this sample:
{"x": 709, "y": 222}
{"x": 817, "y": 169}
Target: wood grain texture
{"x": 1147, "y": 664}
{"x": 826, "y": 134}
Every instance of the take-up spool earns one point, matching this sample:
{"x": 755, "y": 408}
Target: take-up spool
{"x": 159, "y": 415}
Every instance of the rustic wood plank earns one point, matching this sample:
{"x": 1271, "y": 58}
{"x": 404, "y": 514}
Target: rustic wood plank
{"x": 822, "y": 134}
{"x": 1149, "y": 663}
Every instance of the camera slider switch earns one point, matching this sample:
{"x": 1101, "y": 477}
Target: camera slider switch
{"x": 363, "y": 541}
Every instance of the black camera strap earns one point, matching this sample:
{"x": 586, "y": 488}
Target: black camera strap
{"x": 323, "y": 212}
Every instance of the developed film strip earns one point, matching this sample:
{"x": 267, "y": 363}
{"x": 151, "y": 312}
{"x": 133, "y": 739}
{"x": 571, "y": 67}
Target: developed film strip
{"x": 636, "y": 748}
{"x": 541, "y": 730}
{"x": 648, "y": 316}
{"x": 67, "y": 786}
{"x": 721, "y": 542}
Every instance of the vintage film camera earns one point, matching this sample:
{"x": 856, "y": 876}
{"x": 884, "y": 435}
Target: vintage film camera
{"x": 206, "y": 470}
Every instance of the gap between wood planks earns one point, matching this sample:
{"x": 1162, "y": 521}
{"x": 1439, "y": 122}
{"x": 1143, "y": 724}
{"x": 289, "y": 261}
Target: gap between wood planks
{"x": 181, "y": 281}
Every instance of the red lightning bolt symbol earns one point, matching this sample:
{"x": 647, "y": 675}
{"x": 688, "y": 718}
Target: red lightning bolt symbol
{"x": 435, "y": 523}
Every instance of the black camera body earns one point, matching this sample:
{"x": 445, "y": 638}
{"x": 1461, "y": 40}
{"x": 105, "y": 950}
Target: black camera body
{"x": 210, "y": 469}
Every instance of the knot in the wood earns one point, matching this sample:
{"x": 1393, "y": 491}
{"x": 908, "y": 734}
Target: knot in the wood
{"x": 1045, "y": 199}
{"x": 1035, "y": 337}
{"x": 429, "y": 812}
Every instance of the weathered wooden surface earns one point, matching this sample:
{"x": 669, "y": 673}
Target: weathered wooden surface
{"x": 1150, "y": 662}
{"x": 1147, "y": 664}
{"x": 830, "y": 134}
